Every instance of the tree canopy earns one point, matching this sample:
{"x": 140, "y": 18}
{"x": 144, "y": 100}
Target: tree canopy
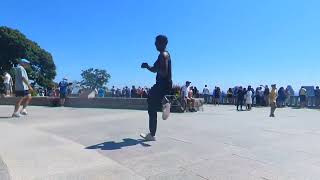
{"x": 14, "y": 45}
{"x": 95, "y": 78}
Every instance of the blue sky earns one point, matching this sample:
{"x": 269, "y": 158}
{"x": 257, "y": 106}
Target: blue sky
{"x": 224, "y": 43}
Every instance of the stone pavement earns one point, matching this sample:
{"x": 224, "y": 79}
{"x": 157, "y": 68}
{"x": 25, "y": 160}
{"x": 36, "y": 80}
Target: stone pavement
{"x": 219, "y": 143}
{"x": 4, "y": 175}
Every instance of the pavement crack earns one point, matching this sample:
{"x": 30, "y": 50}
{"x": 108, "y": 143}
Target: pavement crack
{"x": 180, "y": 140}
{"x": 251, "y": 159}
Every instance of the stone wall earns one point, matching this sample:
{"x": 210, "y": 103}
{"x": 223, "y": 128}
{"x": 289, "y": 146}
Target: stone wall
{"x": 114, "y": 103}
{"x": 108, "y": 102}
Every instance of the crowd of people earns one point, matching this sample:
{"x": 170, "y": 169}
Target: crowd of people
{"x": 260, "y": 96}
{"x": 130, "y": 93}
{"x": 238, "y": 95}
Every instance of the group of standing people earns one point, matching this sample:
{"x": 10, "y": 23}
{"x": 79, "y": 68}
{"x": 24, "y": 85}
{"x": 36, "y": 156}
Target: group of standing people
{"x": 126, "y": 92}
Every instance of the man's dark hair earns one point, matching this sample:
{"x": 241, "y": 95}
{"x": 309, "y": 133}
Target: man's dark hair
{"x": 162, "y": 39}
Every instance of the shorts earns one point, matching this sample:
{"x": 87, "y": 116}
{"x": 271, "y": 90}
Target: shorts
{"x": 22, "y": 93}
{"x": 7, "y": 87}
{"x": 63, "y": 95}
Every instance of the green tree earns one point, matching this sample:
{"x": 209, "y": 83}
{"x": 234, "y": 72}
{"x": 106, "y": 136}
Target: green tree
{"x": 14, "y": 45}
{"x": 95, "y": 78}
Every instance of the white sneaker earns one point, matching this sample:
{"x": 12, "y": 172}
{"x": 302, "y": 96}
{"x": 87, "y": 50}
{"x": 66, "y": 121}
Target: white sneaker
{"x": 16, "y": 115}
{"x": 166, "y": 111}
{"x": 24, "y": 112}
{"x": 148, "y": 137}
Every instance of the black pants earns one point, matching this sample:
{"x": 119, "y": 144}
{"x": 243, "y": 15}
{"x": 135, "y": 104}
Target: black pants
{"x": 156, "y": 94}
{"x": 240, "y": 103}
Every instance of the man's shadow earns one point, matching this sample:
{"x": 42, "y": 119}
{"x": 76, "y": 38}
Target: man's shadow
{"x": 111, "y": 145}
{"x": 5, "y": 117}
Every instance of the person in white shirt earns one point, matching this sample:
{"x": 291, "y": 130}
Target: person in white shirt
{"x": 186, "y": 95}
{"x": 206, "y": 94}
{"x": 7, "y": 81}
{"x": 249, "y": 99}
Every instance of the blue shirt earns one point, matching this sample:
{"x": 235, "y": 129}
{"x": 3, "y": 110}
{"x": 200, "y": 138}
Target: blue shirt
{"x": 63, "y": 87}
{"x": 101, "y": 92}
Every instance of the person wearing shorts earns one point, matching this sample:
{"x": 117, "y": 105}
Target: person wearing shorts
{"x": 63, "y": 90}
{"x": 22, "y": 89}
{"x": 162, "y": 87}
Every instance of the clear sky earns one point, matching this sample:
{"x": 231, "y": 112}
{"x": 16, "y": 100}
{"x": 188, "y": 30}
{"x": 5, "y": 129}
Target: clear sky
{"x": 224, "y": 43}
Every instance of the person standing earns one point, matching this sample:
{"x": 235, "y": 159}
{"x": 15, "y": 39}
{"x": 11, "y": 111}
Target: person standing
{"x": 303, "y": 97}
{"x": 257, "y": 96}
{"x": 235, "y": 95}
{"x": 317, "y": 96}
{"x": 101, "y": 92}
{"x": 281, "y": 97}
{"x": 288, "y": 97}
{"x": 195, "y": 92}
{"x": 249, "y": 99}
{"x": 163, "y": 86}
{"x": 22, "y": 88}
{"x": 273, "y": 100}
{"x": 7, "y": 81}
{"x": 206, "y": 94}
{"x": 63, "y": 90}
{"x": 266, "y": 94}
{"x": 217, "y": 95}
{"x": 230, "y": 96}
{"x": 240, "y": 98}
{"x": 134, "y": 92}
{"x": 113, "y": 91}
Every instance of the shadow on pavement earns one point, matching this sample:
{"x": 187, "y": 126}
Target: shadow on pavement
{"x": 5, "y": 117}
{"x": 111, "y": 145}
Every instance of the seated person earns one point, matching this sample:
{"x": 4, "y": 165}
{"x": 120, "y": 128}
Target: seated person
{"x": 187, "y": 96}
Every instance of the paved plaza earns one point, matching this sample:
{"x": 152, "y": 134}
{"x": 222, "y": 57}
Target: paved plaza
{"x": 103, "y": 144}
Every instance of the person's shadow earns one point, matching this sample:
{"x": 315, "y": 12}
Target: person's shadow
{"x": 111, "y": 145}
{"x": 5, "y": 117}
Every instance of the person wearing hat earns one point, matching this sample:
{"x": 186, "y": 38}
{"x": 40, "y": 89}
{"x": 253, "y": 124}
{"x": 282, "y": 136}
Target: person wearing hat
{"x": 273, "y": 99}
{"x": 186, "y": 95}
{"x": 22, "y": 88}
{"x": 63, "y": 90}
{"x": 163, "y": 86}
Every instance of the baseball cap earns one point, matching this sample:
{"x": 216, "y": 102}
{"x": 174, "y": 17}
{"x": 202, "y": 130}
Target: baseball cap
{"x": 24, "y": 61}
{"x": 188, "y": 82}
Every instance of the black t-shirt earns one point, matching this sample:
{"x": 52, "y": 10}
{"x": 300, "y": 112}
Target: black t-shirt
{"x": 317, "y": 92}
{"x": 266, "y": 92}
